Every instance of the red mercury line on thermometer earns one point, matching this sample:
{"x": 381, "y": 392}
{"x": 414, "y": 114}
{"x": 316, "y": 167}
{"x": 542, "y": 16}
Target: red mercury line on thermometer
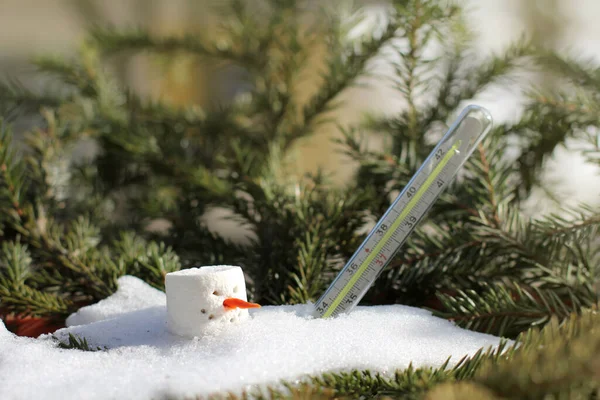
{"x": 409, "y": 208}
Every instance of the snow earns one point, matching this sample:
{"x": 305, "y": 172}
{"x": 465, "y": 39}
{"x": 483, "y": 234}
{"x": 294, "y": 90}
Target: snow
{"x": 133, "y": 294}
{"x": 144, "y": 360}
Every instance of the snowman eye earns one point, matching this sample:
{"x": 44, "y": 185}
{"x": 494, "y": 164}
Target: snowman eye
{"x": 203, "y": 311}
{"x": 216, "y": 293}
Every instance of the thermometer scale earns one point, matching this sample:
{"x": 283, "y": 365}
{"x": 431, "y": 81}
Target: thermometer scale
{"x": 405, "y": 213}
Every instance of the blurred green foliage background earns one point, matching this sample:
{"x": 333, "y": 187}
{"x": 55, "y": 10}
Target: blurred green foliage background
{"x": 33, "y": 27}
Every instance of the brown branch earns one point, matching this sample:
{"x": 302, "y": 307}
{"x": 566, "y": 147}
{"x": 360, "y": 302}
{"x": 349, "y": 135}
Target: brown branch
{"x": 583, "y": 224}
{"x": 564, "y": 106}
{"x": 468, "y": 209}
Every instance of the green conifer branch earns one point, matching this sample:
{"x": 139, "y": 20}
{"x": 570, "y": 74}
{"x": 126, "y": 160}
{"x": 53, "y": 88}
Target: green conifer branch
{"x": 16, "y": 296}
{"x": 343, "y": 68}
{"x": 77, "y": 343}
{"x": 505, "y": 310}
{"x": 284, "y": 220}
{"x": 582, "y": 73}
{"x": 148, "y": 261}
{"x": 111, "y": 41}
{"x": 12, "y": 185}
{"x": 83, "y": 77}
{"x": 490, "y": 71}
{"x": 559, "y": 361}
{"x": 16, "y": 99}
{"x": 245, "y": 41}
{"x": 25, "y": 300}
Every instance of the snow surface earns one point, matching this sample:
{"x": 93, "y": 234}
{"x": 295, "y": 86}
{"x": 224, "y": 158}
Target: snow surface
{"x": 144, "y": 361}
{"x": 133, "y": 294}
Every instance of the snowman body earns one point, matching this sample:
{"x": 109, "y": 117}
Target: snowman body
{"x": 199, "y": 299}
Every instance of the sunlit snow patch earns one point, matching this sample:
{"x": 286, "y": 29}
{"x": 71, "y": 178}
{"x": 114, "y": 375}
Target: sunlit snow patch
{"x": 144, "y": 361}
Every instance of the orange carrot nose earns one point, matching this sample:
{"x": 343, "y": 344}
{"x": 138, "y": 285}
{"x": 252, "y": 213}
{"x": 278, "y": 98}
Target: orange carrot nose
{"x": 231, "y": 303}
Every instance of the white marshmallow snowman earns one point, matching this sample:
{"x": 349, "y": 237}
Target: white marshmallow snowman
{"x": 206, "y": 298}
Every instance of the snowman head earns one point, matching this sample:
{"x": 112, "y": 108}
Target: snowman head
{"x": 200, "y": 299}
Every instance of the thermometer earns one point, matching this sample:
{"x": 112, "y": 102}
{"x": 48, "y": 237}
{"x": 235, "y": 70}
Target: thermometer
{"x": 405, "y": 213}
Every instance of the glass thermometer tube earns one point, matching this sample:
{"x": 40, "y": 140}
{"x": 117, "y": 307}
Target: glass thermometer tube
{"x": 409, "y": 208}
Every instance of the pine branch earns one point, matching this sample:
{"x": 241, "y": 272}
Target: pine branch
{"x": 574, "y": 225}
{"x": 493, "y": 249}
{"x": 460, "y": 80}
{"x": 289, "y": 391}
{"x": 582, "y": 73}
{"x": 507, "y": 310}
{"x": 76, "y": 343}
{"x": 580, "y": 109}
{"x": 421, "y": 21}
{"x": 492, "y": 177}
{"x": 312, "y": 266}
{"x": 552, "y": 279}
{"x": 156, "y": 112}
{"x": 554, "y": 116}
{"x": 16, "y": 99}
{"x": 12, "y": 180}
{"x": 499, "y": 66}
{"x": 592, "y": 154}
{"x": 343, "y": 68}
{"x": 148, "y": 261}
{"x": 16, "y": 263}
{"x": 560, "y": 361}
{"x": 291, "y": 224}
{"x": 112, "y": 41}
{"x": 81, "y": 76}
{"x": 33, "y": 228}
{"x": 25, "y": 300}
{"x": 16, "y": 295}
